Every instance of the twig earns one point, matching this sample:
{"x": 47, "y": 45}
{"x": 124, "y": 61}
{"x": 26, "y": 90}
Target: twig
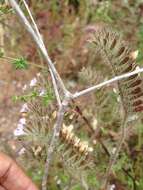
{"x": 40, "y": 39}
{"x": 38, "y": 42}
{"x": 56, "y": 90}
{"x": 54, "y": 139}
{"x": 115, "y": 155}
{"x": 33, "y": 21}
{"x": 80, "y": 113}
{"x": 116, "y": 78}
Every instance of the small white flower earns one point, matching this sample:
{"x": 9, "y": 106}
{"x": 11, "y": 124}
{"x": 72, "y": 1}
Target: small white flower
{"x": 24, "y": 108}
{"x": 19, "y": 130}
{"x": 22, "y": 151}
{"x": 20, "y": 127}
{"x": 22, "y": 121}
{"x": 33, "y": 82}
{"x": 42, "y": 92}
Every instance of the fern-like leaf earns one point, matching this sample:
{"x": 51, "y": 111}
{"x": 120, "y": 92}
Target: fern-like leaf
{"x": 119, "y": 56}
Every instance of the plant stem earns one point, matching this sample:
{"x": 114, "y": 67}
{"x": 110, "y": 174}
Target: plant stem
{"x": 39, "y": 43}
{"x": 115, "y": 155}
{"x": 13, "y": 59}
{"x": 53, "y": 141}
{"x": 115, "y": 79}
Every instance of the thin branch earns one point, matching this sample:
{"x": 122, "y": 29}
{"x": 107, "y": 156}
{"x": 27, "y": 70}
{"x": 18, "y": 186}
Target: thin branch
{"x": 29, "y": 28}
{"x": 115, "y": 155}
{"x": 80, "y": 113}
{"x": 54, "y": 139}
{"x": 116, "y": 78}
{"x": 33, "y": 21}
{"x": 56, "y": 89}
{"x": 41, "y": 41}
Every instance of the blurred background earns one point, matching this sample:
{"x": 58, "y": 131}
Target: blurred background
{"x": 66, "y": 26}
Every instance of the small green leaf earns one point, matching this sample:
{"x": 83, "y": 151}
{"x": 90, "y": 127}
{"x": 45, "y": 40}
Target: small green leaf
{"x": 47, "y": 98}
{"x": 25, "y": 97}
{"x": 15, "y": 98}
{"x": 20, "y": 63}
{"x": 5, "y": 9}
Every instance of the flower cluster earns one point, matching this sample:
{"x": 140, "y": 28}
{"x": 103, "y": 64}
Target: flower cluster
{"x": 19, "y": 131}
{"x": 81, "y": 146}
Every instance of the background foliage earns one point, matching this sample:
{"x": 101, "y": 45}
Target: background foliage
{"x": 66, "y": 26}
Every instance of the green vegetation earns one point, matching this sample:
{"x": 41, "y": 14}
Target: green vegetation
{"x": 67, "y": 27}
